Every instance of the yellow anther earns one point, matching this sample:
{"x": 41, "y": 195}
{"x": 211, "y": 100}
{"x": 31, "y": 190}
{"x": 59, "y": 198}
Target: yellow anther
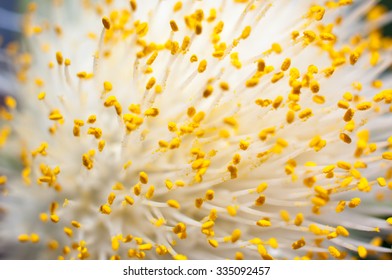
{"x": 106, "y": 23}
{"x": 161, "y": 250}
{"x": 199, "y": 117}
{"x": 202, "y": 66}
{"x": 235, "y": 235}
{"x": 59, "y": 58}
{"x": 276, "y": 77}
{"x": 354, "y": 57}
{"x": 151, "y": 112}
{"x": 193, "y": 58}
{"x": 43, "y": 217}
{"x": 133, "y": 5}
{"x": 198, "y": 28}
{"x": 23, "y": 238}
{"x": 75, "y": 224}
{"x": 180, "y": 257}
{"x": 362, "y": 252}
{"x": 299, "y": 218}
{"x": 314, "y": 86}
{"x": 286, "y": 64}
{"x": 179, "y": 228}
{"x": 340, "y": 207}
{"x": 290, "y": 116}
{"x": 381, "y": 181}
{"x": 298, "y": 244}
{"x": 150, "y": 192}
{"x": 317, "y": 12}
{"x": 327, "y": 36}
{"x": 97, "y": 132}
{"x": 152, "y": 58}
{"x": 34, "y": 238}
{"x": 340, "y": 230}
{"x": 334, "y": 252}
{"x": 142, "y": 29}
{"x": 263, "y": 223}
{"x": 54, "y": 218}
{"x": 208, "y": 225}
{"x": 389, "y": 220}
{"x": 198, "y": 202}
{"x": 10, "y": 102}
{"x": 173, "y": 203}
{"x": 41, "y": 96}
{"x": 213, "y": 243}
{"x": 111, "y": 198}
{"x": 208, "y": 91}
{"x": 150, "y": 83}
{"x": 364, "y": 106}
{"x": 343, "y": 104}
{"x": 129, "y": 200}
{"x": 55, "y": 115}
{"x": 348, "y": 116}
{"x": 306, "y": 113}
{"x": 68, "y": 231}
{"x": 92, "y": 119}
{"x": 285, "y": 215}
{"x": 262, "y": 187}
{"x": 105, "y": 209}
{"x": 145, "y": 247}
{"x": 354, "y": 202}
{"x": 277, "y": 48}
{"x": 115, "y": 243}
{"x": 173, "y": 26}
{"x": 53, "y": 245}
{"x": 232, "y": 210}
{"x": 101, "y": 145}
{"x": 387, "y": 155}
{"x": 107, "y": 86}
{"x": 344, "y": 165}
{"x": 209, "y": 195}
{"x": 260, "y": 200}
{"x": 310, "y": 35}
{"x": 328, "y": 168}
{"x": 244, "y": 145}
{"x": 246, "y": 32}
{"x": 143, "y": 177}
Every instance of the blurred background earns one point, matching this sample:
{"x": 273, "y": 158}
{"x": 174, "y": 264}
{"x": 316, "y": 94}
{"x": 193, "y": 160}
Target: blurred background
{"x": 9, "y": 19}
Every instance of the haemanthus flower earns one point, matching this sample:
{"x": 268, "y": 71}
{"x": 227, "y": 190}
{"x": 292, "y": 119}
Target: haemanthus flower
{"x": 199, "y": 129}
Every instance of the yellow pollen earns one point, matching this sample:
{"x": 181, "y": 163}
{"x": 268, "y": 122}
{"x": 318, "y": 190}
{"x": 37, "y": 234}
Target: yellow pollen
{"x": 129, "y": 200}
{"x": 24, "y": 238}
{"x": 59, "y": 58}
{"x": 54, "y": 218}
{"x": 202, "y": 66}
{"x": 263, "y": 223}
{"x": 334, "y": 252}
{"x": 106, "y": 23}
{"x": 142, "y": 29}
{"x": 298, "y": 244}
{"x": 299, "y": 218}
{"x": 105, "y": 209}
{"x": 68, "y": 231}
{"x": 173, "y": 203}
{"x": 143, "y": 177}
{"x": 75, "y": 224}
{"x": 213, "y": 243}
{"x": 107, "y": 86}
{"x": 342, "y": 231}
{"x": 354, "y": 202}
{"x": 362, "y": 252}
{"x": 173, "y": 26}
{"x": 387, "y": 155}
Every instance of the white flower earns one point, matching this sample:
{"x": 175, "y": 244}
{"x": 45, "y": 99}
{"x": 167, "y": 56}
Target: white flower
{"x": 199, "y": 129}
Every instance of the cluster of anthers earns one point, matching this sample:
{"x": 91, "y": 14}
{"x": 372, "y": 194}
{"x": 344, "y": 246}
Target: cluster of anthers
{"x": 233, "y": 129}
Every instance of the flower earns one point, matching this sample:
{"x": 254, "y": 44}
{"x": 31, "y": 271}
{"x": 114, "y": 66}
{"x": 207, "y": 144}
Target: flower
{"x": 199, "y": 129}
